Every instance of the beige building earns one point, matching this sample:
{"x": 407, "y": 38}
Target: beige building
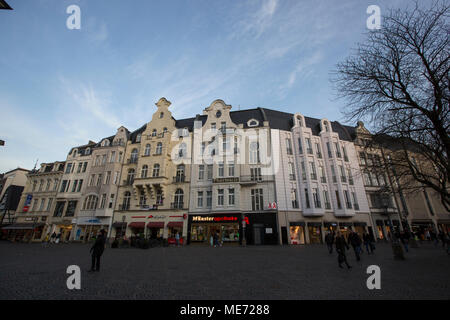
{"x": 99, "y": 195}
{"x": 35, "y": 209}
{"x": 153, "y": 197}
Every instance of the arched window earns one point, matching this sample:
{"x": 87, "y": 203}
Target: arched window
{"x": 156, "y": 170}
{"x": 180, "y": 173}
{"x": 144, "y": 171}
{"x": 147, "y": 150}
{"x": 126, "y": 200}
{"x": 159, "y": 148}
{"x": 142, "y": 199}
{"x": 74, "y": 153}
{"x": 88, "y": 151}
{"x": 130, "y": 177}
{"x": 154, "y": 133}
{"x": 134, "y": 155}
{"x": 90, "y": 203}
{"x": 161, "y": 115}
{"x": 105, "y": 143}
{"x": 178, "y": 201}
{"x": 165, "y": 130}
{"x": 138, "y": 138}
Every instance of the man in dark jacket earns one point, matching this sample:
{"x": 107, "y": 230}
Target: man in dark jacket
{"x": 355, "y": 241}
{"x": 329, "y": 239}
{"x": 368, "y": 243}
{"x": 97, "y": 251}
{"x": 341, "y": 245}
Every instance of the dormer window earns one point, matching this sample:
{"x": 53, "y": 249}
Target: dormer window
{"x": 300, "y": 121}
{"x": 154, "y": 133}
{"x": 74, "y": 154}
{"x": 252, "y": 123}
{"x": 105, "y": 143}
{"x": 88, "y": 151}
{"x": 161, "y": 115}
{"x": 138, "y": 138}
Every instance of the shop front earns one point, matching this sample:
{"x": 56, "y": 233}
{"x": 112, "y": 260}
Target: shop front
{"x": 419, "y": 227}
{"x": 174, "y": 228}
{"x": 360, "y": 228}
{"x": 201, "y": 228}
{"x": 261, "y": 228}
{"x": 297, "y": 232}
{"x": 315, "y": 232}
{"x": 155, "y": 230}
{"x": 119, "y": 229}
{"x": 345, "y": 228}
{"x": 25, "y": 232}
{"x": 379, "y": 230}
{"x": 444, "y": 226}
{"x": 330, "y": 227}
{"x": 87, "y": 228}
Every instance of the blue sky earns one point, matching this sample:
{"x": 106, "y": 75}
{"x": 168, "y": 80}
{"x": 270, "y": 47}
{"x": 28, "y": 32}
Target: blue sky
{"x": 60, "y": 88}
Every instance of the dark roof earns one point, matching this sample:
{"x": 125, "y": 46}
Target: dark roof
{"x": 134, "y": 134}
{"x": 4, "y": 5}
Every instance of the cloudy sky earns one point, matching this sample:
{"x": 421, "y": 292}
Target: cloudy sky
{"x": 60, "y": 88}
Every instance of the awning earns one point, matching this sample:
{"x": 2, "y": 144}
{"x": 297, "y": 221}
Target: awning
{"x": 359, "y": 224}
{"x": 119, "y": 225}
{"x": 155, "y": 225}
{"x": 297, "y": 223}
{"x": 23, "y": 226}
{"x": 175, "y": 224}
{"x": 329, "y": 224}
{"x": 137, "y": 225}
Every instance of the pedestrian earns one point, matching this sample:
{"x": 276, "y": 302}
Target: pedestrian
{"x": 46, "y": 240}
{"x": 404, "y": 238}
{"x": 216, "y": 239}
{"x": 329, "y": 240}
{"x": 368, "y": 243}
{"x": 427, "y": 235}
{"x": 177, "y": 238}
{"x": 97, "y": 251}
{"x": 58, "y": 238}
{"x": 53, "y": 237}
{"x": 355, "y": 242}
{"x": 211, "y": 240}
{"x": 341, "y": 246}
{"x": 442, "y": 237}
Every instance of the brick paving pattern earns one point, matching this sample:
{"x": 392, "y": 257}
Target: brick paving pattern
{"x": 31, "y": 271}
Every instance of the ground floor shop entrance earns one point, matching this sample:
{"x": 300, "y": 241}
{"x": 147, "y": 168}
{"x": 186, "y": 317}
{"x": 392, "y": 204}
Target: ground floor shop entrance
{"x": 297, "y": 233}
{"x": 315, "y": 232}
{"x": 203, "y": 229}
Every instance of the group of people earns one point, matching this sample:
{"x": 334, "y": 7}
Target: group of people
{"x": 214, "y": 240}
{"x": 343, "y": 244}
{"x": 53, "y": 238}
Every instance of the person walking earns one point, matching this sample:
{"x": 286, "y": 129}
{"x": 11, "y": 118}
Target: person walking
{"x": 97, "y": 251}
{"x": 177, "y": 238}
{"x": 53, "y": 237}
{"x": 329, "y": 240}
{"x": 341, "y": 246}
{"x": 368, "y": 243}
{"x": 404, "y": 238}
{"x": 355, "y": 242}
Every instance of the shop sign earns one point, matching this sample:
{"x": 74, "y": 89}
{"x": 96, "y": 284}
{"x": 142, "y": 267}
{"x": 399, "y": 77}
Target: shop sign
{"x": 272, "y": 205}
{"x": 225, "y": 180}
{"x": 269, "y": 230}
{"x": 214, "y": 219}
{"x": 155, "y": 217}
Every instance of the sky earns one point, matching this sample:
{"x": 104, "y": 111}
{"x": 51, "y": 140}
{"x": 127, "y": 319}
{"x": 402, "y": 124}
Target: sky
{"x": 61, "y": 87}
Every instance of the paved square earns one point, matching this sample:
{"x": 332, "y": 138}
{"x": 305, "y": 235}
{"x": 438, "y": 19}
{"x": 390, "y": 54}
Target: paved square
{"x": 31, "y": 271}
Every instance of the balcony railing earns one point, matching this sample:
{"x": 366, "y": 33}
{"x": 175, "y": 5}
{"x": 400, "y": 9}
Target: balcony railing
{"x": 124, "y": 207}
{"x": 176, "y": 205}
{"x": 256, "y": 178}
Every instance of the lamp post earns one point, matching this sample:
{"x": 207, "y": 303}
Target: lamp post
{"x": 396, "y": 246}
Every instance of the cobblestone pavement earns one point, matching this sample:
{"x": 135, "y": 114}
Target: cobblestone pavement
{"x": 31, "y": 271}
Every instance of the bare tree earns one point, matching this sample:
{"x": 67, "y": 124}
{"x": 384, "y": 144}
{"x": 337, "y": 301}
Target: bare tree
{"x": 398, "y": 80}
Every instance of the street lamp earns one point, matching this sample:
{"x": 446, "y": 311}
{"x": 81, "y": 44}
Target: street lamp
{"x": 396, "y": 246}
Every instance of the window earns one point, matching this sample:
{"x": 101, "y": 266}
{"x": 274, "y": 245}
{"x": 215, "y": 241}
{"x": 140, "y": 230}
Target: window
{"x": 68, "y": 184}
{"x": 300, "y": 147}
{"x": 126, "y": 201}
{"x": 161, "y": 115}
{"x": 345, "y": 153}
{"x": 347, "y": 199}
{"x": 90, "y": 203}
{"x": 68, "y": 168}
{"x": 116, "y": 177}
{"x": 97, "y": 160}
{"x": 367, "y": 178}
{"x": 333, "y": 174}
{"x": 144, "y": 171}
{"x": 91, "y": 181}
{"x": 303, "y": 170}
{"x": 326, "y": 199}
{"x": 41, "y": 207}
{"x": 308, "y": 205}
{"x": 294, "y": 198}
{"x": 338, "y": 150}
{"x": 120, "y": 157}
{"x": 134, "y": 155}
{"x": 288, "y": 146}
{"x": 154, "y": 133}
{"x": 199, "y": 199}
{"x": 255, "y": 174}
{"x": 41, "y": 185}
{"x": 79, "y": 185}
{"x": 355, "y": 201}
{"x": 362, "y": 158}
{"x": 231, "y": 169}
{"x": 316, "y": 198}
{"x": 103, "y": 201}
{"x": 254, "y": 153}
{"x": 156, "y": 170}
{"x": 209, "y": 199}
{"x": 74, "y": 185}
{"x": 323, "y": 178}
{"x": 220, "y": 194}
{"x": 309, "y": 146}
{"x": 231, "y": 196}
{"x": 104, "y": 159}
{"x": 179, "y": 197}
{"x": 142, "y": 199}
{"x": 159, "y": 148}
{"x": 338, "y": 200}
{"x": 108, "y": 177}
{"x": 138, "y": 138}
{"x": 55, "y": 185}
{"x": 257, "y": 199}
{"x": 147, "y": 150}
{"x": 130, "y": 176}
{"x": 80, "y": 165}
{"x": 319, "y": 152}
{"x": 220, "y": 169}
{"x": 313, "y": 170}
{"x": 291, "y": 171}
{"x": 209, "y": 171}
{"x": 49, "y": 204}
{"x": 63, "y": 186}
{"x": 180, "y": 173}
{"x": 59, "y": 208}
{"x": 84, "y": 166}
{"x": 99, "y": 179}
{"x": 329, "y": 150}
{"x": 350, "y": 177}
{"x": 48, "y": 184}
{"x": 113, "y": 156}
{"x": 201, "y": 172}
{"x": 343, "y": 178}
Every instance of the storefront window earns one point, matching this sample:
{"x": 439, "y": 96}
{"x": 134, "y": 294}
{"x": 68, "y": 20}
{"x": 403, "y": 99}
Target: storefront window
{"x": 297, "y": 234}
{"x": 315, "y": 235}
{"x": 230, "y": 233}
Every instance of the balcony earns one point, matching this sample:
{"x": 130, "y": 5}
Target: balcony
{"x": 179, "y": 179}
{"x": 176, "y": 205}
{"x": 225, "y": 180}
{"x": 124, "y": 207}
